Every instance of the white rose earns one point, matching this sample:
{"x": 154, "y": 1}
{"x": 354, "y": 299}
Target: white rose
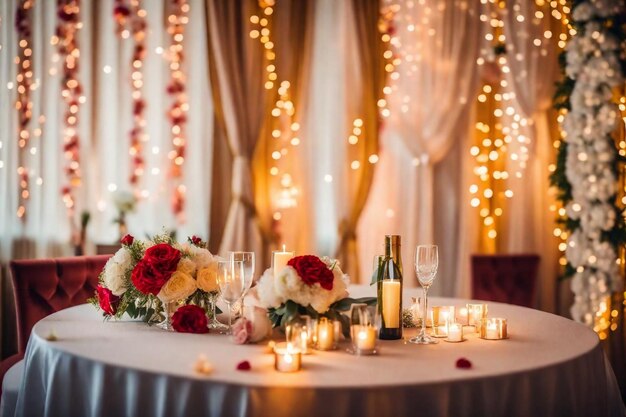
{"x": 115, "y": 271}
{"x": 200, "y": 256}
{"x": 265, "y": 290}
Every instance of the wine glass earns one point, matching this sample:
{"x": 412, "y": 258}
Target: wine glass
{"x": 231, "y": 280}
{"x": 426, "y": 263}
{"x": 248, "y": 268}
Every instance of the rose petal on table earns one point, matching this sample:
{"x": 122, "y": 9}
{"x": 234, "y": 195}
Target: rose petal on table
{"x": 463, "y": 363}
{"x": 244, "y": 366}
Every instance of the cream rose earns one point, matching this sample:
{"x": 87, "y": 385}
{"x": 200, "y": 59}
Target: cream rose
{"x": 186, "y": 266}
{"x": 207, "y": 278}
{"x": 115, "y": 272}
{"x": 179, "y": 286}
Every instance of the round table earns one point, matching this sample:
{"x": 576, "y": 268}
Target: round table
{"x": 549, "y": 366}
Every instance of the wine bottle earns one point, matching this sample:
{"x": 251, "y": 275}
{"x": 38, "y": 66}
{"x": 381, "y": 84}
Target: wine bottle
{"x": 390, "y": 290}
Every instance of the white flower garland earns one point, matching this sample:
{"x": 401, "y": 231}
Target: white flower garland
{"x": 592, "y": 61}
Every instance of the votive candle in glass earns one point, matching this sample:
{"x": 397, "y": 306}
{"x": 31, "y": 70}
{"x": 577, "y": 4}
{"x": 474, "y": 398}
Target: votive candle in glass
{"x": 493, "y": 328}
{"x": 325, "y": 334}
{"x": 455, "y": 332}
{"x": 441, "y": 316}
{"x": 461, "y": 315}
{"x": 287, "y": 358}
{"x": 363, "y": 339}
{"x": 475, "y": 313}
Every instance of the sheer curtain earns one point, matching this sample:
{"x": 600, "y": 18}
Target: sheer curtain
{"x": 104, "y": 123}
{"x": 438, "y": 46}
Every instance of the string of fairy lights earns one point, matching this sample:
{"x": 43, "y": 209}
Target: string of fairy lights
{"x": 72, "y": 92}
{"x": 176, "y": 22}
{"x": 284, "y": 127}
{"x": 24, "y": 103}
{"x": 501, "y": 144}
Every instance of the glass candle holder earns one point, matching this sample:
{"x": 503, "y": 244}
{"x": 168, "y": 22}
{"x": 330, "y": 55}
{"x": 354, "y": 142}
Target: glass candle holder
{"x": 441, "y": 316}
{"x": 363, "y": 330}
{"x": 493, "y": 328}
{"x": 462, "y": 316}
{"x": 298, "y": 333}
{"x": 325, "y": 334}
{"x": 455, "y": 333}
{"x": 475, "y": 313}
{"x": 287, "y": 358}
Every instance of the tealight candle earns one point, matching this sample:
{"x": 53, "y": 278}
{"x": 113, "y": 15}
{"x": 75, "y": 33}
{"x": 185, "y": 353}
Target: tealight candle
{"x": 441, "y": 316}
{"x": 325, "y": 334}
{"x": 363, "y": 339}
{"x": 287, "y": 358}
{"x": 493, "y": 328}
{"x": 455, "y": 332}
{"x": 280, "y": 259}
{"x": 475, "y": 313}
{"x": 462, "y": 315}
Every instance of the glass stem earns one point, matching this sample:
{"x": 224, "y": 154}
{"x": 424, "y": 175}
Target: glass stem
{"x": 230, "y": 317}
{"x": 425, "y": 315}
{"x": 213, "y": 302}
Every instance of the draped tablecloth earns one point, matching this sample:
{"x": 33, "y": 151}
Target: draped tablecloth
{"x": 549, "y": 366}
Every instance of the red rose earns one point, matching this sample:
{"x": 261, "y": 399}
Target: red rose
{"x": 163, "y": 257}
{"x": 156, "y": 268}
{"x": 312, "y": 270}
{"x": 190, "y": 319}
{"x": 196, "y": 240}
{"x": 127, "y": 240}
{"x": 106, "y": 299}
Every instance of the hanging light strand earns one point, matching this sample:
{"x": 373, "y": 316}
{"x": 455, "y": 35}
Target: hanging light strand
{"x": 137, "y": 135}
{"x": 177, "y": 113}
{"x": 284, "y": 126}
{"x": 121, "y": 15}
{"x": 72, "y": 93}
{"x": 23, "y": 103}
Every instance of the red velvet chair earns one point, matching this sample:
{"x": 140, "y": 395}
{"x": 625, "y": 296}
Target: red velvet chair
{"x": 44, "y": 286}
{"x": 505, "y": 278}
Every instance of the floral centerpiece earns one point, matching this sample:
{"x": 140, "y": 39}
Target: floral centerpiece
{"x": 143, "y": 278}
{"x": 308, "y": 285}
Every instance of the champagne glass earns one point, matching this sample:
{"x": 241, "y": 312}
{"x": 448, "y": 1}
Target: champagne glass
{"x": 231, "y": 280}
{"x": 426, "y": 263}
{"x": 248, "y": 268}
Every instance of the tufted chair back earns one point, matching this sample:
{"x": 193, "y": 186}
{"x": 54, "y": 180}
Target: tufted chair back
{"x": 44, "y": 286}
{"x": 505, "y": 278}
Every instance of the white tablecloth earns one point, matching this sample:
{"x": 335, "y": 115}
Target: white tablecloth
{"x": 550, "y": 366}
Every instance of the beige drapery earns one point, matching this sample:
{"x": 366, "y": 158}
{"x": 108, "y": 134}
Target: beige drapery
{"x": 365, "y": 14}
{"x": 292, "y": 24}
{"x": 239, "y": 102}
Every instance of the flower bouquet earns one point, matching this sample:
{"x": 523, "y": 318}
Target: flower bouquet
{"x": 144, "y": 278}
{"x": 308, "y": 285}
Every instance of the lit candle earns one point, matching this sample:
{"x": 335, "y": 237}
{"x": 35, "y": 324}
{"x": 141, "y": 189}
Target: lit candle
{"x": 462, "y": 316}
{"x": 280, "y": 259}
{"x": 493, "y": 329}
{"x": 364, "y": 338}
{"x": 441, "y": 316}
{"x": 391, "y": 303}
{"x": 304, "y": 340}
{"x": 442, "y": 327}
{"x": 287, "y": 358}
{"x": 325, "y": 334}
{"x": 455, "y": 332}
{"x": 475, "y": 313}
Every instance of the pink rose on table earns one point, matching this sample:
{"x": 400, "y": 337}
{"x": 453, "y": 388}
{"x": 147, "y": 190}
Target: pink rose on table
{"x": 242, "y": 329}
{"x": 190, "y": 319}
{"x": 312, "y": 270}
{"x": 106, "y": 299}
